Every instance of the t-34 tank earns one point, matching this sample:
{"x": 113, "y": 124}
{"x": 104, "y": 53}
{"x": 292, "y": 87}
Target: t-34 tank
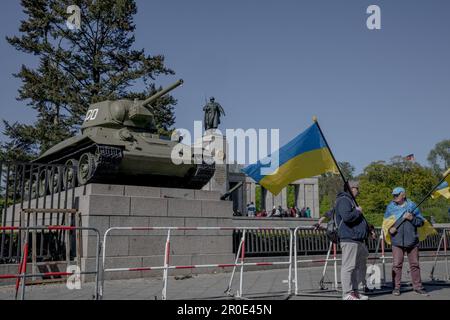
{"x": 118, "y": 144}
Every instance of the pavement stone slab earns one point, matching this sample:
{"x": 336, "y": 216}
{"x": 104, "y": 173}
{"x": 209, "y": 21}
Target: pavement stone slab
{"x": 267, "y": 284}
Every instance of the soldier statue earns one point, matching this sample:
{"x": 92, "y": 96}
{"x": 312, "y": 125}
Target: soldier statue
{"x": 213, "y": 112}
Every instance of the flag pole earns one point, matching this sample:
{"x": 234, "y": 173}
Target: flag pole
{"x": 335, "y": 162}
{"x": 401, "y": 220}
{"x": 432, "y": 190}
{"x": 371, "y": 227}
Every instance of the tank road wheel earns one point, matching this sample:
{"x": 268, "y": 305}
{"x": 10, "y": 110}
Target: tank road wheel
{"x": 55, "y": 180}
{"x": 43, "y": 182}
{"x": 70, "y": 174}
{"x": 86, "y": 168}
{"x": 29, "y": 191}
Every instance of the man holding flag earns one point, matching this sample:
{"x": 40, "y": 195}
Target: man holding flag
{"x": 403, "y": 227}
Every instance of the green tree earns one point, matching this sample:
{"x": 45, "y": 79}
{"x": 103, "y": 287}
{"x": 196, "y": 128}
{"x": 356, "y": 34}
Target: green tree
{"x": 291, "y": 196}
{"x": 378, "y": 180}
{"x": 21, "y": 144}
{"x": 78, "y": 67}
{"x": 438, "y": 208}
{"x": 325, "y": 205}
{"x": 331, "y": 184}
{"x": 258, "y": 198}
{"x": 439, "y": 157}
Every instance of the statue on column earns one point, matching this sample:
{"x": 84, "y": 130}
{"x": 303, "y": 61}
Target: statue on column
{"x": 213, "y": 112}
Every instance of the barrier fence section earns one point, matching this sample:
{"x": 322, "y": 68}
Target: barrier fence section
{"x": 241, "y": 255}
{"x": 262, "y": 243}
{"x": 32, "y": 185}
{"x": 442, "y": 242}
{"x": 238, "y": 263}
{"x": 309, "y": 242}
{"x": 22, "y": 274}
{"x": 380, "y": 243}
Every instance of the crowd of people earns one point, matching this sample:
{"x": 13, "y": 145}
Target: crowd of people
{"x": 277, "y": 211}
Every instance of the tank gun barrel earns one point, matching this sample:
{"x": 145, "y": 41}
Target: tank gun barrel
{"x": 161, "y": 93}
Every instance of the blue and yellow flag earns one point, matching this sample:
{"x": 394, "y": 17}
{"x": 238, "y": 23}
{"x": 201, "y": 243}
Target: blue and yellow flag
{"x": 443, "y": 190}
{"x": 303, "y": 157}
{"x": 395, "y": 212}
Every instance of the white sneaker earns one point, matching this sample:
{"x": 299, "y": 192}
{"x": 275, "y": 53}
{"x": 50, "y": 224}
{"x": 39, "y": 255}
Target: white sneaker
{"x": 351, "y": 296}
{"x": 361, "y": 296}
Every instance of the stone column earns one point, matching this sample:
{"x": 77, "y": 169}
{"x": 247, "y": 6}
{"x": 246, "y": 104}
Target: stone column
{"x": 276, "y": 200}
{"x": 281, "y": 199}
{"x": 316, "y": 211}
{"x": 253, "y": 192}
{"x": 248, "y": 192}
{"x": 301, "y": 195}
{"x": 309, "y": 196}
{"x": 250, "y": 188}
{"x": 284, "y": 198}
{"x": 242, "y": 196}
{"x": 269, "y": 201}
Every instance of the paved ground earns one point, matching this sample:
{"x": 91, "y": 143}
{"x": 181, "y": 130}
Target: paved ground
{"x": 271, "y": 284}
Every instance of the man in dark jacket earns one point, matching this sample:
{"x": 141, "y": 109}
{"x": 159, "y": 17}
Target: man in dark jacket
{"x": 353, "y": 230}
{"x": 405, "y": 239}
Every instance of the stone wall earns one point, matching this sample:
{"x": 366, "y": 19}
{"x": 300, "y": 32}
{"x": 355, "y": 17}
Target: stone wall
{"x": 106, "y": 206}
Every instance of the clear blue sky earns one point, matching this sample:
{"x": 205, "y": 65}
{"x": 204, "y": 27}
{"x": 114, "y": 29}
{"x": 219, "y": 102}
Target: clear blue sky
{"x": 275, "y": 64}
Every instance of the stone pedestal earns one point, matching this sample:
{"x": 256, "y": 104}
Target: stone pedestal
{"x": 216, "y": 146}
{"x": 251, "y": 192}
{"x": 105, "y": 206}
{"x": 219, "y": 182}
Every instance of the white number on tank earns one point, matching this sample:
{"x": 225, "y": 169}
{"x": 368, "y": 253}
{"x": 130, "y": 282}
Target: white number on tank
{"x": 91, "y": 115}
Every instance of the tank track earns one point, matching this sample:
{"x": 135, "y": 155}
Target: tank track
{"x": 109, "y": 158}
{"x": 201, "y": 176}
{"x": 107, "y": 163}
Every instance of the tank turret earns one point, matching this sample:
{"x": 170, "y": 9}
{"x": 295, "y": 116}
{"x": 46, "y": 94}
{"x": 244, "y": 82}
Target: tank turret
{"x": 119, "y": 113}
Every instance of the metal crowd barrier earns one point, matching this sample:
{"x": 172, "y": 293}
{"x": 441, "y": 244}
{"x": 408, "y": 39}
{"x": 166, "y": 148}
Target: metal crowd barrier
{"x": 309, "y": 242}
{"x": 22, "y": 274}
{"x": 380, "y": 243}
{"x": 262, "y": 243}
{"x": 241, "y": 255}
{"x": 442, "y": 241}
{"x": 239, "y": 261}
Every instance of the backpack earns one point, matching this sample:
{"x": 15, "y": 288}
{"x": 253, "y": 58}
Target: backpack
{"x": 332, "y": 227}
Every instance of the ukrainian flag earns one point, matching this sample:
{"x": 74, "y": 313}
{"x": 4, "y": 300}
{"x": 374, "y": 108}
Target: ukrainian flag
{"x": 305, "y": 156}
{"x": 443, "y": 189}
{"x": 395, "y": 212}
